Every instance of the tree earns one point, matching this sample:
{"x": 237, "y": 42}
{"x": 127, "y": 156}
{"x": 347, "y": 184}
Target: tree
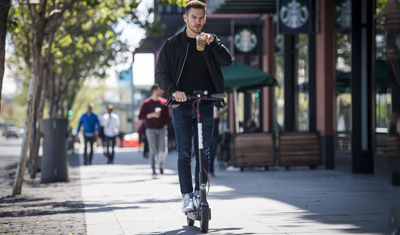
{"x": 173, "y": 2}
{"x": 43, "y": 20}
{"x": 63, "y": 43}
{"x": 5, "y": 6}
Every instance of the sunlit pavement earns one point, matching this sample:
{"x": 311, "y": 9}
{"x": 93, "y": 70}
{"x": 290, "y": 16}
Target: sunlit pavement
{"x": 124, "y": 199}
{"x": 10, "y": 149}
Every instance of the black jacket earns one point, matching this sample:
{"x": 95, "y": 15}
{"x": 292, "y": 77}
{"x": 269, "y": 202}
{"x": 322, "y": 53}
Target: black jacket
{"x": 172, "y": 58}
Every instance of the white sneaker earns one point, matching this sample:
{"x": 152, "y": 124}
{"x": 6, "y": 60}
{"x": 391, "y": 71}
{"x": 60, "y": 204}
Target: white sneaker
{"x": 187, "y": 204}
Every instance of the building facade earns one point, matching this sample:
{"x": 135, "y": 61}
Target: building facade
{"x": 331, "y": 67}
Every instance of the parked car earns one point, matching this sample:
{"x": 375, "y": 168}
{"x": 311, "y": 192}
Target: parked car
{"x": 12, "y": 132}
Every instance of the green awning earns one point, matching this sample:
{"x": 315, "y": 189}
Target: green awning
{"x": 244, "y": 77}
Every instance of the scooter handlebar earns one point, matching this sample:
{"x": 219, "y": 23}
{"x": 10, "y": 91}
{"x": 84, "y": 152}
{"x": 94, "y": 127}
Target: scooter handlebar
{"x": 211, "y": 97}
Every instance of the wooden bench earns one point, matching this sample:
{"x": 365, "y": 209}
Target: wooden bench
{"x": 393, "y": 158}
{"x": 254, "y": 150}
{"x": 392, "y": 145}
{"x": 299, "y": 149}
{"x": 381, "y": 144}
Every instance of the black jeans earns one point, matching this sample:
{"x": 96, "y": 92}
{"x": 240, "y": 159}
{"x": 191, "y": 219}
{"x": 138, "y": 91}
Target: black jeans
{"x": 108, "y": 140}
{"x": 91, "y": 140}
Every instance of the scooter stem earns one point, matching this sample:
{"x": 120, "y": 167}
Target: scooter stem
{"x": 202, "y": 180}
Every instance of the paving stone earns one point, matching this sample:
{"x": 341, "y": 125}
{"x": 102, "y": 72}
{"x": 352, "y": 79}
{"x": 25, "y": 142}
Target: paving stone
{"x": 47, "y": 209}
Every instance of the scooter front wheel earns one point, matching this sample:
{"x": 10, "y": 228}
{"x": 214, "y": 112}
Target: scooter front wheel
{"x": 204, "y": 219}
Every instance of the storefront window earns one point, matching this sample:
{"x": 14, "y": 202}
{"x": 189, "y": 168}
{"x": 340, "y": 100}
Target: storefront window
{"x": 380, "y": 66}
{"x": 279, "y": 93}
{"x": 380, "y": 7}
{"x": 255, "y": 107}
{"x": 343, "y": 85}
{"x": 240, "y": 107}
{"x": 302, "y": 83}
{"x": 279, "y": 90}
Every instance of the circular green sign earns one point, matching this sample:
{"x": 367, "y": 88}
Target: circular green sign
{"x": 245, "y": 40}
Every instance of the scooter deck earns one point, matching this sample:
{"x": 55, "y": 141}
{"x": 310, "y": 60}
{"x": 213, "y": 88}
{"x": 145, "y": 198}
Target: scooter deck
{"x": 195, "y": 215}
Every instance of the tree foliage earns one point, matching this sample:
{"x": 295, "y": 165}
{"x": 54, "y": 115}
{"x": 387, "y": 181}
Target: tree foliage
{"x": 85, "y": 44}
{"x": 173, "y": 2}
{"x": 62, "y": 43}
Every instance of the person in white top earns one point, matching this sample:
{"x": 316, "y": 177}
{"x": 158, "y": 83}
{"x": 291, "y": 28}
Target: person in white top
{"x": 111, "y": 130}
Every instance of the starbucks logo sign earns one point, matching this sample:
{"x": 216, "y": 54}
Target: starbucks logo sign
{"x": 245, "y": 40}
{"x": 294, "y": 14}
{"x": 343, "y": 13}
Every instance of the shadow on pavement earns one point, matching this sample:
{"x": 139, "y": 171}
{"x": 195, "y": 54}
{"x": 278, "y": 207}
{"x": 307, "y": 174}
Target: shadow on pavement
{"x": 186, "y": 230}
{"x": 356, "y": 203}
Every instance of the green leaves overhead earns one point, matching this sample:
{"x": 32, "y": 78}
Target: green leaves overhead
{"x": 173, "y": 2}
{"x": 65, "y": 41}
{"x": 80, "y": 41}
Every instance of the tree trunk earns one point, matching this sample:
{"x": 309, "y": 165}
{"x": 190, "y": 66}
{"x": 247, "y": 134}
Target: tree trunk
{"x": 35, "y": 135}
{"x": 19, "y": 176}
{"x": 35, "y": 155}
{"x": 50, "y": 96}
{"x": 40, "y": 25}
{"x": 43, "y": 93}
{"x": 57, "y": 96}
{"x": 5, "y": 6}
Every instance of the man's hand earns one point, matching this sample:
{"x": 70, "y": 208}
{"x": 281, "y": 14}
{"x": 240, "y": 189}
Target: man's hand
{"x": 180, "y": 96}
{"x": 153, "y": 115}
{"x": 208, "y": 38}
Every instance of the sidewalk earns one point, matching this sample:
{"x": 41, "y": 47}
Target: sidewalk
{"x": 42, "y": 209}
{"x": 123, "y": 199}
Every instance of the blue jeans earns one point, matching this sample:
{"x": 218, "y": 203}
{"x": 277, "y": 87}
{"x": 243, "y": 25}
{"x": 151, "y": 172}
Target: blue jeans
{"x": 91, "y": 140}
{"x": 184, "y": 120}
{"x": 110, "y": 142}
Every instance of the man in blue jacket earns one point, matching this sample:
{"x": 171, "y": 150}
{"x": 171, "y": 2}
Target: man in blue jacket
{"x": 91, "y": 127}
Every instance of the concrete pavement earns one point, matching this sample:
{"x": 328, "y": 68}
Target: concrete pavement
{"x": 124, "y": 199}
{"x": 42, "y": 209}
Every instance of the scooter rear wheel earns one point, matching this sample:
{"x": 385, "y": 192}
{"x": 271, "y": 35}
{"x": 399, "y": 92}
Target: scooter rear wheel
{"x": 205, "y": 216}
{"x": 190, "y": 222}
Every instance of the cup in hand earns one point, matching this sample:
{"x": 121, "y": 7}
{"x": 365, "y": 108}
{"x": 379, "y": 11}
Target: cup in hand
{"x": 157, "y": 110}
{"x": 200, "y": 43}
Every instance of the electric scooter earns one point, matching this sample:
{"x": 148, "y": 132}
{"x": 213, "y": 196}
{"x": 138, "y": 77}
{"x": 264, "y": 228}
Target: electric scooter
{"x": 202, "y": 210}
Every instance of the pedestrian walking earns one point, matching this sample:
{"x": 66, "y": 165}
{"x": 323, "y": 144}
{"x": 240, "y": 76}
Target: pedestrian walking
{"x": 181, "y": 69}
{"x": 157, "y": 117}
{"x": 111, "y": 131}
{"x": 143, "y": 139}
{"x": 91, "y": 127}
{"x": 218, "y": 111}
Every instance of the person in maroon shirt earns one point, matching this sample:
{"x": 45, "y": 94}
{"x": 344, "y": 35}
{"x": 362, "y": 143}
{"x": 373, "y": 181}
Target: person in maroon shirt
{"x": 157, "y": 117}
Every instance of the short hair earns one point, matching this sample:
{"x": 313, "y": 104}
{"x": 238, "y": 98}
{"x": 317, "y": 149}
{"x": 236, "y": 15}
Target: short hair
{"x": 196, "y": 4}
{"x": 154, "y": 87}
{"x": 110, "y": 106}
